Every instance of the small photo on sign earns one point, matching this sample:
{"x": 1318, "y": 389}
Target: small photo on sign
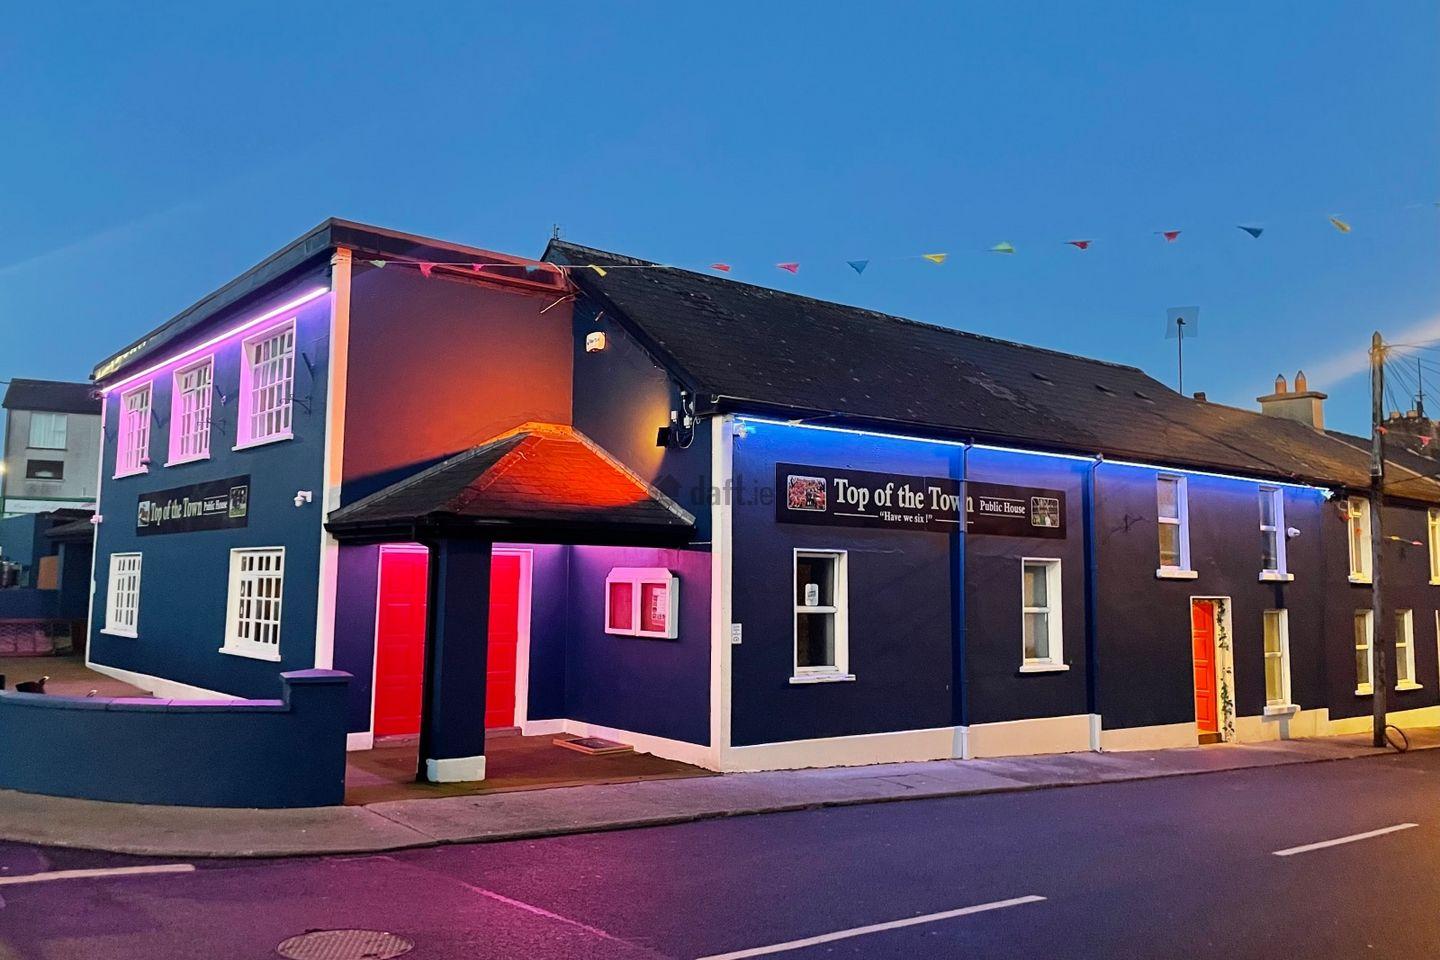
{"x": 805, "y": 493}
{"x": 143, "y": 518}
{"x": 1044, "y": 512}
{"x": 239, "y": 500}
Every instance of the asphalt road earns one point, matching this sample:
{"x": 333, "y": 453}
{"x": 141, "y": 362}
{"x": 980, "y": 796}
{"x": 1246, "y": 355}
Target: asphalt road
{"x": 1169, "y": 868}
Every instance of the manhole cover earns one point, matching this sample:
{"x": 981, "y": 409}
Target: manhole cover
{"x": 344, "y": 945}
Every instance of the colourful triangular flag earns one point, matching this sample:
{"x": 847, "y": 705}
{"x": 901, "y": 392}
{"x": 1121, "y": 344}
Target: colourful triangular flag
{"x": 1424, "y": 441}
{"x": 600, "y": 270}
{"x": 722, "y": 267}
{"x": 858, "y": 265}
{"x": 1169, "y": 235}
{"x": 378, "y": 263}
{"x": 789, "y": 267}
{"x": 1339, "y": 224}
{"x": 425, "y": 268}
{"x": 935, "y": 257}
{"x": 1080, "y": 244}
{"x": 1253, "y": 231}
{"x": 1004, "y": 246}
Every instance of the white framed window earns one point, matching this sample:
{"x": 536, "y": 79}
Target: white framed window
{"x": 190, "y": 412}
{"x": 1432, "y": 526}
{"x": 1277, "y": 658}
{"x": 122, "y": 595}
{"x": 1405, "y": 651}
{"x": 257, "y": 585}
{"x": 267, "y": 379}
{"x": 132, "y": 450}
{"x": 822, "y": 643}
{"x": 1272, "y": 534}
{"x": 47, "y": 430}
{"x": 1172, "y": 520}
{"x": 1357, "y": 513}
{"x": 1364, "y": 651}
{"x": 642, "y": 602}
{"x": 1042, "y": 643}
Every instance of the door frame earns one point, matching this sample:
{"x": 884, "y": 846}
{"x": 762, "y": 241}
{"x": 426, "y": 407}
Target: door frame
{"x": 1224, "y": 662}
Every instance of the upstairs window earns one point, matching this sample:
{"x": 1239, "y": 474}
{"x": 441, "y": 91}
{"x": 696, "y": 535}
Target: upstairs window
{"x": 1042, "y": 640}
{"x": 47, "y": 431}
{"x": 1357, "y": 512}
{"x": 1272, "y": 534}
{"x": 821, "y": 617}
{"x": 190, "y": 412}
{"x": 122, "y": 595}
{"x": 132, "y": 452}
{"x": 1405, "y": 651}
{"x": 1173, "y": 520}
{"x": 1364, "y": 651}
{"x": 1432, "y": 524}
{"x": 267, "y": 377}
{"x": 257, "y": 581}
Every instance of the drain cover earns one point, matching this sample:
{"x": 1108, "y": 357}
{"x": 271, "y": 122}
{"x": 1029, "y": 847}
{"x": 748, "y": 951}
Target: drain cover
{"x": 344, "y": 945}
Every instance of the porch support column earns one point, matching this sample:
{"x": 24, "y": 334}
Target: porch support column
{"x": 457, "y": 629}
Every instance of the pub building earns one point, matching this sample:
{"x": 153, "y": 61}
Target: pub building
{"x": 723, "y": 524}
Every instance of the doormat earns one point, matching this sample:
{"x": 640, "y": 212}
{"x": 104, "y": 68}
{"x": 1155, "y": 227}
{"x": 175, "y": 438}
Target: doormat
{"x": 593, "y": 746}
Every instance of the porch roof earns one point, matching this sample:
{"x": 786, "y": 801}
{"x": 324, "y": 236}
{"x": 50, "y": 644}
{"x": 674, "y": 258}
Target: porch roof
{"x": 541, "y": 482}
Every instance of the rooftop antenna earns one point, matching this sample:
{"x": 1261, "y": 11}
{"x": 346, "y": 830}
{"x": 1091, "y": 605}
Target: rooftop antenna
{"x": 554, "y": 231}
{"x": 1180, "y": 323}
{"x": 1420, "y": 394}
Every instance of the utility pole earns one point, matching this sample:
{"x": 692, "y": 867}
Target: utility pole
{"x": 1379, "y": 650}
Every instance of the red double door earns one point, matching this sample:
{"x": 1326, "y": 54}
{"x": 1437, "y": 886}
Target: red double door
{"x": 400, "y": 640}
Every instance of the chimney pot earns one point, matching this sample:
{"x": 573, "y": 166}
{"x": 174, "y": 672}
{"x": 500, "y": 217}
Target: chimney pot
{"x": 1200, "y": 395}
{"x": 1301, "y": 386}
{"x": 1280, "y": 383}
{"x": 1301, "y": 404}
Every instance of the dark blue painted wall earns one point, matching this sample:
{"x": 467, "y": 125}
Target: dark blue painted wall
{"x": 272, "y": 753}
{"x": 549, "y": 630}
{"x": 357, "y": 576}
{"x": 185, "y": 576}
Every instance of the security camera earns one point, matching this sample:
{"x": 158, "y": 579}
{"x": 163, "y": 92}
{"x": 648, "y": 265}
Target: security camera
{"x": 302, "y": 497}
{"x": 1292, "y": 532}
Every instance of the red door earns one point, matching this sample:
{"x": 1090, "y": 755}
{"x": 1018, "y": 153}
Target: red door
{"x": 504, "y": 636}
{"x": 400, "y": 641}
{"x": 1202, "y": 640}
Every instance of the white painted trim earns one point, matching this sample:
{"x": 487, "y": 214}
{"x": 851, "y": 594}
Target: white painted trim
{"x": 694, "y": 754}
{"x": 159, "y": 686}
{"x": 1022, "y": 738}
{"x": 1175, "y": 573}
{"x": 1158, "y": 737}
{"x": 455, "y": 769}
{"x": 1054, "y": 616}
{"x": 90, "y": 617}
{"x": 362, "y": 740}
{"x": 722, "y": 473}
{"x": 936, "y": 743}
{"x": 522, "y": 627}
{"x": 332, "y": 474}
{"x": 1418, "y": 717}
{"x": 541, "y": 728}
{"x": 1286, "y": 724}
{"x": 805, "y": 678}
{"x": 839, "y": 607}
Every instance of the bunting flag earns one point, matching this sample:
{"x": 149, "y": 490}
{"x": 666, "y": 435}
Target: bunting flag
{"x": 1424, "y": 441}
{"x": 1004, "y": 246}
{"x": 1339, "y": 224}
{"x": 789, "y": 267}
{"x": 1080, "y": 244}
{"x": 1253, "y": 231}
{"x": 935, "y": 257}
{"x": 600, "y": 270}
{"x": 1170, "y": 235}
{"x": 722, "y": 267}
{"x": 377, "y": 263}
{"x": 425, "y": 269}
{"x": 858, "y": 265}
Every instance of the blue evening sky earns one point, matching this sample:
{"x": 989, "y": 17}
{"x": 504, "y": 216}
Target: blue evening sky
{"x": 151, "y": 155}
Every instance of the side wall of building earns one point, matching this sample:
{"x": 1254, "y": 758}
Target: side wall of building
{"x": 78, "y": 465}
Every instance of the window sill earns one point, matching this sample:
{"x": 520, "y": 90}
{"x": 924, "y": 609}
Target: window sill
{"x": 1175, "y": 573}
{"x": 803, "y": 678}
{"x": 179, "y": 463}
{"x": 1281, "y": 709}
{"x": 1402, "y": 687}
{"x": 251, "y": 444}
{"x": 1434, "y": 582}
{"x": 1364, "y": 690}
{"x": 251, "y": 654}
{"x": 1044, "y": 667}
{"x": 119, "y": 633}
{"x": 1356, "y": 579}
{"x": 1275, "y": 576}
{"x": 132, "y": 473}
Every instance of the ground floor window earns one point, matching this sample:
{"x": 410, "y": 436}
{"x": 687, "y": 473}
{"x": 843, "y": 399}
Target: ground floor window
{"x": 821, "y": 615}
{"x": 1277, "y": 658}
{"x": 1405, "y": 650}
{"x": 1042, "y": 643}
{"x": 1364, "y": 651}
{"x": 257, "y": 579}
{"x": 122, "y": 595}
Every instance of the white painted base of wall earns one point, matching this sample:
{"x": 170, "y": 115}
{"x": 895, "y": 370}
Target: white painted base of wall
{"x": 1160, "y": 737}
{"x": 1419, "y": 717}
{"x": 1022, "y": 738}
{"x": 937, "y": 743}
{"x": 364, "y": 740}
{"x": 455, "y": 770}
{"x": 159, "y": 686}
{"x": 1284, "y": 726}
{"x": 692, "y": 753}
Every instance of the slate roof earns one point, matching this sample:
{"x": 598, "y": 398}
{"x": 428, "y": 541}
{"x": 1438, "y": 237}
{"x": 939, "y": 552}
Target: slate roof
{"x": 743, "y": 346}
{"x": 535, "y": 478}
{"x": 53, "y": 396}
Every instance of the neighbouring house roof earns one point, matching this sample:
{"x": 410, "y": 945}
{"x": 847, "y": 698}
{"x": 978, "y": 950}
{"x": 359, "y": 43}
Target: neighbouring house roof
{"x": 742, "y": 346}
{"x": 540, "y": 481}
{"x": 52, "y": 396}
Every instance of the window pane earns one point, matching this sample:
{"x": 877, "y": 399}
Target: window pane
{"x": 1274, "y": 687}
{"x": 1169, "y": 545}
{"x": 1362, "y": 666}
{"x": 1272, "y": 631}
{"x": 817, "y": 573}
{"x": 1267, "y": 508}
{"x": 1037, "y": 636}
{"x": 814, "y": 639}
{"x": 1269, "y": 556}
{"x": 1036, "y": 586}
{"x": 1167, "y": 493}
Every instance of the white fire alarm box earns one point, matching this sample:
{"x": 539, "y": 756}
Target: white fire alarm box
{"x": 642, "y": 602}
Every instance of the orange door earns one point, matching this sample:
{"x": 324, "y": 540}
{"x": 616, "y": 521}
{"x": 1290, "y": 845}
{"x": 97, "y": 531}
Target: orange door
{"x": 504, "y": 635}
{"x": 400, "y": 641}
{"x": 1202, "y": 641}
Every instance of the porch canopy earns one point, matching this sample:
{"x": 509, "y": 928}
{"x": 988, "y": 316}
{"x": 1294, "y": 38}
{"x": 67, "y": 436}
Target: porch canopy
{"x": 539, "y": 483}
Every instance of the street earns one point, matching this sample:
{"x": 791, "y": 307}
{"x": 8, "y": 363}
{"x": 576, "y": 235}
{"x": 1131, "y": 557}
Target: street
{"x": 1183, "y": 866}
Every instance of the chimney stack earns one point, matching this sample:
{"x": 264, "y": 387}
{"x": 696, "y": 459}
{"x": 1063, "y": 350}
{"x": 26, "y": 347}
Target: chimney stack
{"x": 1301, "y": 404}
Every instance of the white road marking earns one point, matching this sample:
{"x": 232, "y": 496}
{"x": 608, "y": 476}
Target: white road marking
{"x": 105, "y": 872}
{"x": 872, "y": 928}
{"x": 1291, "y": 851}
